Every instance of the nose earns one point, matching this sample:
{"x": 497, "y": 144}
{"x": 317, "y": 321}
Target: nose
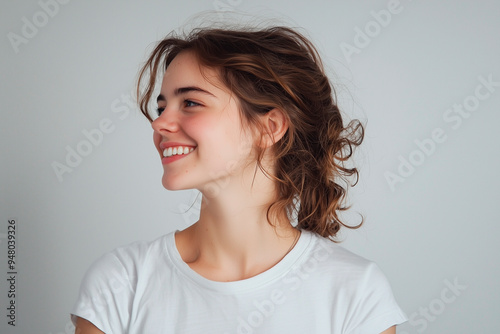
{"x": 166, "y": 122}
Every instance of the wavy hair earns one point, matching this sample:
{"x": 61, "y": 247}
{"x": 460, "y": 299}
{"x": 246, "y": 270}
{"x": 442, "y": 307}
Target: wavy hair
{"x": 277, "y": 67}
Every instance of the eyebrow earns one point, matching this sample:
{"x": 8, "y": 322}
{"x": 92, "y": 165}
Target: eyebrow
{"x": 184, "y": 90}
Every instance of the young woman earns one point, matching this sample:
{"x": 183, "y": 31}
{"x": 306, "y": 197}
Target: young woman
{"x": 247, "y": 117}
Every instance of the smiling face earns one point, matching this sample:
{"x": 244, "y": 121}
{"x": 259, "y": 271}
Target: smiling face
{"x": 199, "y": 133}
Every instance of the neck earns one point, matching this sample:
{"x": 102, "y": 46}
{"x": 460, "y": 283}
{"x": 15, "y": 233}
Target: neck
{"x": 233, "y": 230}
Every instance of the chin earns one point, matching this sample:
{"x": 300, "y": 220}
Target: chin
{"x": 169, "y": 185}
{"x": 173, "y": 183}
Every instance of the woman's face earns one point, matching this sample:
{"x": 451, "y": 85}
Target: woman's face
{"x": 200, "y": 120}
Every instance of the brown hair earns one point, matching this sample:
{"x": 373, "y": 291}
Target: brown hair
{"x": 278, "y": 67}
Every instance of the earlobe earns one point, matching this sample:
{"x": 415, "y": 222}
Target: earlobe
{"x": 275, "y": 125}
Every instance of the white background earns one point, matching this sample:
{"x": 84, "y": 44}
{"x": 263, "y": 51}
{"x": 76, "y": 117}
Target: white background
{"x": 439, "y": 227}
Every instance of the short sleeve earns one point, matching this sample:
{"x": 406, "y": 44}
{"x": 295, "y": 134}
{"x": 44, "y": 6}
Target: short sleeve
{"x": 375, "y": 308}
{"x": 106, "y": 294}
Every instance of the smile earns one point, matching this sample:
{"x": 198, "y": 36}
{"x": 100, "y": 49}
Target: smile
{"x": 179, "y": 150}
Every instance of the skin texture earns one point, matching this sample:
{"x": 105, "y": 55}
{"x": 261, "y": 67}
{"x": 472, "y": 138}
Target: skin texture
{"x": 391, "y": 330}
{"x": 208, "y": 120}
{"x": 86, "y": 327}
{"x": 232, "y": 239}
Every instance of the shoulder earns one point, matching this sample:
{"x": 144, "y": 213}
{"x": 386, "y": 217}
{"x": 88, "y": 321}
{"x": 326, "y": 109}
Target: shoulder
{"x": 359, "y": 285}
{"x": 109, "y": 286}
{"x": 123, "y": 262}
{"x": 334, "y": 257}
{"x": 345, "y": 269}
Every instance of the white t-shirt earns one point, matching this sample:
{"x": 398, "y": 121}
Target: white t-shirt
{"x": 318, "y": 287}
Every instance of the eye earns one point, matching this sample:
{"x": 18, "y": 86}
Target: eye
{"x": 159, "y": 110}
{"x": 189, "y": 103}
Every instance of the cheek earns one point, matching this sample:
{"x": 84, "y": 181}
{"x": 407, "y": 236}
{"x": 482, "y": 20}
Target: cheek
{"x": 221, "y": 138}
{"x": 197, "y": 126}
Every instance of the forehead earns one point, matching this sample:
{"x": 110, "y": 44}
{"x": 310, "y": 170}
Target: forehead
{"x": 185, "y": 70}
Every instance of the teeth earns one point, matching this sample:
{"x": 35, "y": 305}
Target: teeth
{"x": 168, "y": 152}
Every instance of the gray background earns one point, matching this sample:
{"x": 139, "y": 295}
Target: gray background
{"x": 437, "y": 228}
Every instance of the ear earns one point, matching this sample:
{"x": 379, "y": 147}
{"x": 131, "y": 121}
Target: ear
{"x": 274, "y": 125}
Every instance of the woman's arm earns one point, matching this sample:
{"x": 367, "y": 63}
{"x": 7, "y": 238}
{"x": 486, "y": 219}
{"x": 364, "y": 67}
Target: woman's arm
{"x": 391, "y": 330}
{"x": 86, "y": 327}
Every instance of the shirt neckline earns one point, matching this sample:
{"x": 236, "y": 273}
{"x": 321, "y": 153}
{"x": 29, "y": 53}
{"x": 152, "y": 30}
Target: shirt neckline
{"x": 277, "y": 271}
